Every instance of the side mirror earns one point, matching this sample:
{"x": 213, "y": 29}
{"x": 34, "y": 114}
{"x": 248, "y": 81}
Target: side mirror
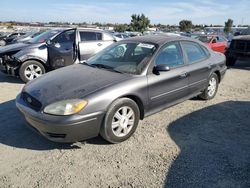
{"x": 48, "y": 42}
{"x": 160, "y": 68}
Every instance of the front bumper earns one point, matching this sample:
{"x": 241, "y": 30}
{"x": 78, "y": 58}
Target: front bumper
{"x": 10, "y": 66}
{"x": 67, "y": 129}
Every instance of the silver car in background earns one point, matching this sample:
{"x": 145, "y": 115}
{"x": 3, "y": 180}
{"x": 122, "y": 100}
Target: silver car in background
{"x": 48, "y": 52}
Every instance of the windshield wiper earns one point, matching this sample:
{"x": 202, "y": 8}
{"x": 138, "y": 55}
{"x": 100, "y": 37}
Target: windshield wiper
{"x": 105, "y": 67}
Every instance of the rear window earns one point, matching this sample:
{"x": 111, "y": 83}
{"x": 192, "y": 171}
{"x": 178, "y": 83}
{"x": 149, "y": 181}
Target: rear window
{"x": 221, "y": 39}
{"x": 90, "y": 36}
{"x": 194, "y": 52}
{"x": 205, "y": 39}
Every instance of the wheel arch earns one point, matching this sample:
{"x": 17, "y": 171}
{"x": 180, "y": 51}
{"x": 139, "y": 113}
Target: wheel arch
{"x": 139, "y": 103}
{"x": 217, "y": 72}
{"x": 38, "y": 60}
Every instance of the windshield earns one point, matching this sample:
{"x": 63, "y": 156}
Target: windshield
{"x": 43, "y": 36}
{"x": 205, "y": 39}
{"x": 124, "y": 57}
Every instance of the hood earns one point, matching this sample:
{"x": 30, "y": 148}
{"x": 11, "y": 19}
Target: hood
{"x": 75, "y": 81}
{"x": 16, "y": 47}
{"x": 13, "y": 47}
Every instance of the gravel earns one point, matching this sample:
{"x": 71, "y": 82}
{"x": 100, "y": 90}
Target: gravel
{"x": 193, "y": 144}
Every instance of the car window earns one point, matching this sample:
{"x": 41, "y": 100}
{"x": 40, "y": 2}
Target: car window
{"x": 220, "y": 39}
{"x": 42, "y": 37}
{"x": 170, "y": 55}
{"x": 193, "y": 51}
{"x": 90, "y": 36}
{"x": 206, "y": 51}
{"x": 65, "y": 37}
{"x": 205, "y": 38}
{"x": 126, "y": 57}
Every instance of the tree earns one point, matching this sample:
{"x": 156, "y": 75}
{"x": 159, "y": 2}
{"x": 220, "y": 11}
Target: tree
{"x": 185, "y": 25}
{"x": 121, "y": 27}
{"x": 139, "y": 22}
{"x": 228, "y": 26}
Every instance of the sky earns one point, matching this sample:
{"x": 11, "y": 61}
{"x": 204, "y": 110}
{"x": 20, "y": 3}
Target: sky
{"x": 120, "y": 11}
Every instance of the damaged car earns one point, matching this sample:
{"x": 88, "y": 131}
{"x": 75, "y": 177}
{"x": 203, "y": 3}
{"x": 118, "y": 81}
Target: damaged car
{"x": 125, "y": 82}
{"x": 52, "y": 50}
{"x": 13, "y": 56}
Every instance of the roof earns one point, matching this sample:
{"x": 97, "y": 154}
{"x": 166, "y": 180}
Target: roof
{"x": 158, "y": 39}
{"x": 242, "y": 37}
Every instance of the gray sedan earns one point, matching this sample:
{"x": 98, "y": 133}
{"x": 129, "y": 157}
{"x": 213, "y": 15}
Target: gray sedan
{"x": 119, "y": 86}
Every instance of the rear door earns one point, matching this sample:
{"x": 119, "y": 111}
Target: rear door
{"x": 168, "y": 87}
{"x": 62, "y": 49}
{"x": 91, "y": 42}
{"x": 199, "y": 65}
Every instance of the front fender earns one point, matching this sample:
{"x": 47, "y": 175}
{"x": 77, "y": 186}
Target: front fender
{"x": 40, "y": 54}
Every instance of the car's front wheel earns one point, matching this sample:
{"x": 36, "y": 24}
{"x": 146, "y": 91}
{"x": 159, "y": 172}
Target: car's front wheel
{"x": 211, "y": 89}
{"x": 120, "y": 121}
{"x": 30, "y": 70}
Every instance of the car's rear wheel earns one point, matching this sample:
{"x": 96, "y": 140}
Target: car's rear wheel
{"x": 120, "y": 121}
{"x": 30, "y": 70}
{"x": 211, "y": 90}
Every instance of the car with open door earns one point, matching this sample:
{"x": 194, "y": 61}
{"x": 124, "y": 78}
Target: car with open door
{"x": 66, "y": 47}
{"x": 217, "y": 43}
{"x": 125, "y": 82}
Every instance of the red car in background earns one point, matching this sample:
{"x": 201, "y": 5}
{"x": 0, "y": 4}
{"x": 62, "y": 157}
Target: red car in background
{"x": 217, "y": 43}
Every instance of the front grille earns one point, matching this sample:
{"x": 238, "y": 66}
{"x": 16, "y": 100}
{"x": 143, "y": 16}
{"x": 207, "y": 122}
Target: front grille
{"x": 31, "y": 101}
{"x": 54, "y": 135}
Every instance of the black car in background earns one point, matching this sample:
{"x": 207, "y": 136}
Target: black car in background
{"x": 51, "y": 50}
{"x": 117, "y": 87}
{"x": 9, "y": 38}
{"x": 28, "y": 36}
{"x": 239, "y": 48}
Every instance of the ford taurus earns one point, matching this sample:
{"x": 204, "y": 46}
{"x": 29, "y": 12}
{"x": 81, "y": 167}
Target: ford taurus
{"x": 119, "y": 86}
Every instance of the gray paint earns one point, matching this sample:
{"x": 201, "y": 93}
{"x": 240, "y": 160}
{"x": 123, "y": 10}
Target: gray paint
{"x": 100, "y": 87}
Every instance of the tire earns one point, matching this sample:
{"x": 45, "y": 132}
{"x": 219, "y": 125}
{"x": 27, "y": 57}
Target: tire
{"x": 2, "y": 43}
{"x": 211, "y": 90}
{"x": 32, "y": 68}
{"x": 117, "y": 133}
{"x": 231, "y": 61}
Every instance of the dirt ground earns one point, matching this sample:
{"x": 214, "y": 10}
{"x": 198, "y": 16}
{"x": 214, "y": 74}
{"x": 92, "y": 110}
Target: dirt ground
{"x": 194, "y": 144}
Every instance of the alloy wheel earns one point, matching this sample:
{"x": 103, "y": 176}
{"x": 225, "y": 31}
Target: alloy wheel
{"x": 32, "y": 71}
{"x": 212, "y": 86}
{"x": 123, "y": 121}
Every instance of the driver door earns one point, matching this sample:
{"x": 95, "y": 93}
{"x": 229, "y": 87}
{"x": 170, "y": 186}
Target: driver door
{"x": 62, "y": 49}
{"x": 168, "y": 87}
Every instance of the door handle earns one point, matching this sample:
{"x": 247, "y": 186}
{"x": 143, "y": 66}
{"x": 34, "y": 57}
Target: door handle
{"x": 99, "y": 44}
{"x": 184, "y": 75}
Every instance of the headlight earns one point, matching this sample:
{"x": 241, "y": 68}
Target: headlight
{"x": 65, "y": 107}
